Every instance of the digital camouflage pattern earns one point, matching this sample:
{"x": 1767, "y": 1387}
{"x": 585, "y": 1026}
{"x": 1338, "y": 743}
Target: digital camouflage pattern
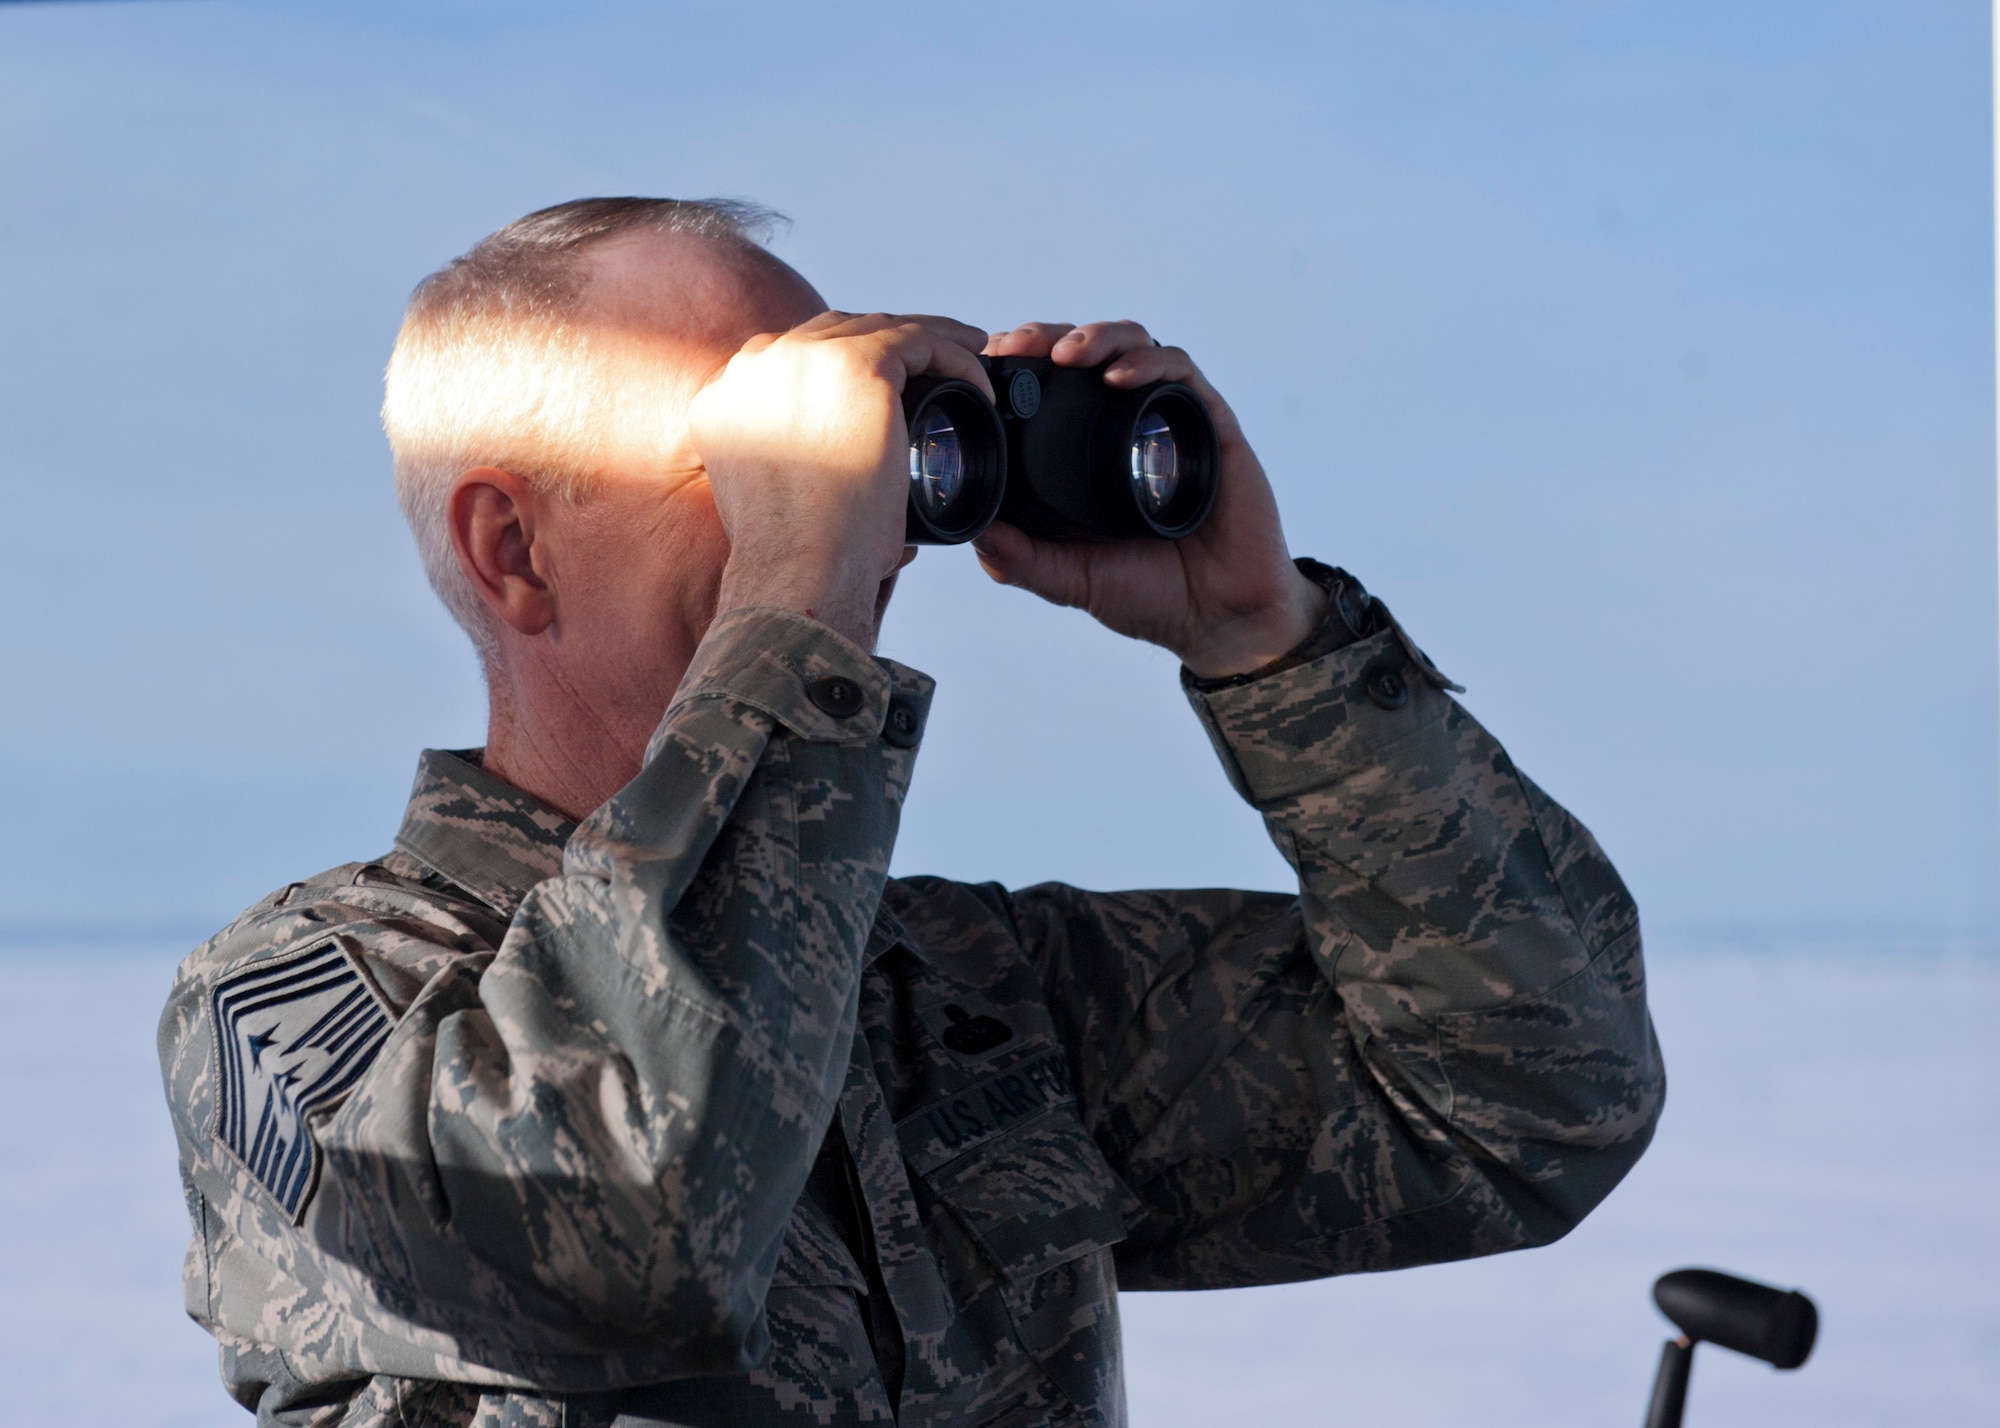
{"x": 689, "y": 1115}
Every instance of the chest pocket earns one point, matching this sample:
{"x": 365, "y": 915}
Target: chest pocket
{"x": 1008, "y": 1156}
{"x": 1035, "y": 1197}
{"x": 1042, "y": 1208}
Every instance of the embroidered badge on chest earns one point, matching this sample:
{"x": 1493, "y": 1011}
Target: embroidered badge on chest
{"x": 967, "y": 1028}
{"x": 291, "y": 1037}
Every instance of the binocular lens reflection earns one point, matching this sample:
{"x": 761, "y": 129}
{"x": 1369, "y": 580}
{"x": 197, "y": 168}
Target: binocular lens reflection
{"x": 937, "y": 464}
{"x": 1156, "y": 473}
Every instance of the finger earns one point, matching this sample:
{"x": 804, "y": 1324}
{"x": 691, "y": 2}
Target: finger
{"x": 934, "y": 347}
{"x": 1053, "y": 570}
{"x": 1146, "y": 364}
{"x": 1030, "y": 339}
{"x": 943, "y": 329}
{"x": 948, "y": 359}
{"x": 832, "y": 317}
{"x": 899, "y": 346}
{"x": 1098, "y": 342}
{"x": 1005, "y": 552}
{"x": 831, "y": 326}
{"x": 971, "y": 339}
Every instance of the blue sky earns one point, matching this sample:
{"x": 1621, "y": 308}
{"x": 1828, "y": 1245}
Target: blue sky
{"x": 1640, "y": 356}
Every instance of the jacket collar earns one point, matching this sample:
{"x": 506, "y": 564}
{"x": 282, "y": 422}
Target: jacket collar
{"x": 479, "y": 831}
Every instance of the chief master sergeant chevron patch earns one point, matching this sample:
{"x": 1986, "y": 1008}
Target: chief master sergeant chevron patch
{"x": 291, "y": 1036}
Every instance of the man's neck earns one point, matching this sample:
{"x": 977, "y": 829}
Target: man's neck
{"x": 569, "y": 750}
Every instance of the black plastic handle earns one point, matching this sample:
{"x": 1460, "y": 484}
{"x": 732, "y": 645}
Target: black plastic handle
{"x": 1775, "y": 1325}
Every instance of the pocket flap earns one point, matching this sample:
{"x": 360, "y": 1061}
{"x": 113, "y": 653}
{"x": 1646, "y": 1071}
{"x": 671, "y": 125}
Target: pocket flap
{"x": 1036, "y": 1197}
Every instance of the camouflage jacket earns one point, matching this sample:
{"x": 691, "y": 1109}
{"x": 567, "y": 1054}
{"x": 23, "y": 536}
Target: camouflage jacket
{"x": 689, "y": 1114}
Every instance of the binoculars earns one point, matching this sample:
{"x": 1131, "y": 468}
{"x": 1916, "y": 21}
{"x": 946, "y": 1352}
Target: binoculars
{"x": 1058, "y": 454}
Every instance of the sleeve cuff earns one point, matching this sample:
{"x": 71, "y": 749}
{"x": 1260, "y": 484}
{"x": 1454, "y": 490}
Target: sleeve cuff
{"x": 819, "y": 684}
{"x": 1322, "y": 721}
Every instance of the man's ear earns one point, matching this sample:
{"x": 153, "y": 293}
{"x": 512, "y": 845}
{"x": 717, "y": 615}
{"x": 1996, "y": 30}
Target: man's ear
{"x": 495, "y": 521}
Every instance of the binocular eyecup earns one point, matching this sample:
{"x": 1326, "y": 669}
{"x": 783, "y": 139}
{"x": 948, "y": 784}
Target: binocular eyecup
{"x": 1058, "y": 454}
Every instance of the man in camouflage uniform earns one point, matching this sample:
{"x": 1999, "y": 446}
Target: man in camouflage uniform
{"x": 629, "y": 1088}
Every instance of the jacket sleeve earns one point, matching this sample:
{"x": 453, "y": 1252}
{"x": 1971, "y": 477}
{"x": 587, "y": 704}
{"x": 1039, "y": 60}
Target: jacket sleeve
{"x": 571, "y": 1161}
{"x": 1440, "y": 1048}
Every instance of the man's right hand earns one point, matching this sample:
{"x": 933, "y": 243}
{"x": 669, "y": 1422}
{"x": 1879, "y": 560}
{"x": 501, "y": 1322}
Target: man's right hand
{"x": 803, "y": 441}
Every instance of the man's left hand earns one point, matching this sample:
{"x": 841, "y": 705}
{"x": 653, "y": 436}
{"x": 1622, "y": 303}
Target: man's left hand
{"x": 1226, "y": 599}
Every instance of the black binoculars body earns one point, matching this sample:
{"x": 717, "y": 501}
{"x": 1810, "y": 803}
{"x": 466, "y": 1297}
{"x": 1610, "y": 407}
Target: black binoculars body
{"x": 1058, "y": 454}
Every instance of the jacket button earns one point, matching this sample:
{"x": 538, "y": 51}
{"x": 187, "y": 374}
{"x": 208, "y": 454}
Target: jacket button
{"x": 838, "y": 696}
{"x": 901, "y": 728}
{"x": 1386, "y": 689}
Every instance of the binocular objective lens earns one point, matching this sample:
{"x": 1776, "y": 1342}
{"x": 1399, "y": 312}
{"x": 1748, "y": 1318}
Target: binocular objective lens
{"x": 937, "y": 464}
{"x": 1156, "y": 473}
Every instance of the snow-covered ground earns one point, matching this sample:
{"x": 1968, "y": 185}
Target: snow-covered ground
{"x": 1832, "y": 1125}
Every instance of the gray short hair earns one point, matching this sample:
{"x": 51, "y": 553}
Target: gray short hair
{"x": 491, "y": 367}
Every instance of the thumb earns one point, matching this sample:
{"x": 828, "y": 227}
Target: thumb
{"x": 1054, "y": 570}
